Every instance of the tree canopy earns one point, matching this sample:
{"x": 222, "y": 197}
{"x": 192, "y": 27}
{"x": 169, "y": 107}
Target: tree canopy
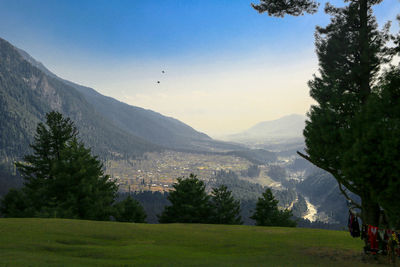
{"x": 268, "y": 214}
{"x": 62, "y": 178}
{"x": 375, "y": 153}
{"x": 225, "y": 209}
{"x": 280, "y": 8}
{"x": 129, "y": 210}
{"x": 189, "y": 202}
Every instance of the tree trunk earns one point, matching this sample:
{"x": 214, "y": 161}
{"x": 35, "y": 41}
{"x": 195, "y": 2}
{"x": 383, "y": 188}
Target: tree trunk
{"x": 370, "y": 212}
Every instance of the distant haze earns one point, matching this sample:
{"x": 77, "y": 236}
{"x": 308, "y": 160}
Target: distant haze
{"x": 288, "y": 127}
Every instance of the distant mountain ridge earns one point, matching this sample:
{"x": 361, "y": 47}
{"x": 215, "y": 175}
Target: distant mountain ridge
{"x": 284, "y": 128}
{"x": 27, "y": 93}
{"x": 145, "y": 127}
{"x": 147, "y": 124}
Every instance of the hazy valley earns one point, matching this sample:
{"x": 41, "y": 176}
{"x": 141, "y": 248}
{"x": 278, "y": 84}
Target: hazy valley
{"x": 146, "y": 151}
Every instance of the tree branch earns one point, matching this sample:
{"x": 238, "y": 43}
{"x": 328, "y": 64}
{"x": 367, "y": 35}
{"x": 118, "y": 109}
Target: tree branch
{"x": 280, "y": 8}
{"x": 353, "y": 202}
{"x": 338, "y": 179}
{"x": 331, "y": 171}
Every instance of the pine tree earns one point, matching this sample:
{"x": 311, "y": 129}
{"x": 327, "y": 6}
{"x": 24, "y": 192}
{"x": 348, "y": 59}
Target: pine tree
{"x": 62, "y": 178}
{"x": 49, "y": 141}
{"x": 268, "y": 214}
{"x": 129, "y": 210}
{"x": 385, "y": 184}
{"x": 341, "y": 93}
{"x": 225, "y": 209}
{"x": 351, "y": 52}
{"x": 189, "y": 202}
{"x": 15, "y": 204}
{"x": 80, "y": 188}
{"x": 375, "y": 153}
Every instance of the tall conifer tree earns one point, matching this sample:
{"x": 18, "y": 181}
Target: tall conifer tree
{"x": 350, "y": 51}
{"x": 62, "y": 178}
{"x": 189, "y": 202}
{"x": 341, "y": 93}
{"x": 225, "y": 209}
{"x": 129, "y": 210}
{"x": 268, "y": 214}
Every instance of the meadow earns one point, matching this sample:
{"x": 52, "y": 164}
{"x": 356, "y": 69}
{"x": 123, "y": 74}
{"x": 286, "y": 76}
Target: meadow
{"x": 61, "y": 242}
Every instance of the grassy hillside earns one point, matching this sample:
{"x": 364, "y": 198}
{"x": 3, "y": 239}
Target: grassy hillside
{"x": 56, "y": 242}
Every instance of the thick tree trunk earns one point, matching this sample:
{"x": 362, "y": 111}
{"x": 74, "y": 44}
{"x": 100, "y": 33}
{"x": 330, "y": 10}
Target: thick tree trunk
{"x": 370, "y": 212}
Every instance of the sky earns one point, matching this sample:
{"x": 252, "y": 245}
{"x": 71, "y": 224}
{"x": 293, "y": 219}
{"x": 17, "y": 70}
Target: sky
{"x": 226, "y": 67}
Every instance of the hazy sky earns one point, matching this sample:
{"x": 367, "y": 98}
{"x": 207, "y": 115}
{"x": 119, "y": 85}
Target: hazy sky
{"x": 226, "y": 66}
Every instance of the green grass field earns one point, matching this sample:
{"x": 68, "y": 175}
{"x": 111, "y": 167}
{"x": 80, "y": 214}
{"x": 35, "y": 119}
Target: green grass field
{"x": 57, "y": 242}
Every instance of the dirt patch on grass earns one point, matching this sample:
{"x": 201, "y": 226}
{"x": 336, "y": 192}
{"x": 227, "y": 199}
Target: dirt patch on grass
{"x": 335, "y": 254}
{"x": 380, "y": 259}
{"x": 358, "y": 258}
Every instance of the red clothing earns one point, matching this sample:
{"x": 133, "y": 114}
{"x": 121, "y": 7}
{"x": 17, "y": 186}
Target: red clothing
{"x": 373, "y": 237}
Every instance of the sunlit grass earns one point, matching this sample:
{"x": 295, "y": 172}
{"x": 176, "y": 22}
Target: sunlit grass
{"x": 56, "y": 242}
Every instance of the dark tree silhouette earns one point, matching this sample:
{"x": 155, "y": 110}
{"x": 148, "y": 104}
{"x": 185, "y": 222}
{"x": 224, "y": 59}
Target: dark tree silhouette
{"x": 129, "y": 210}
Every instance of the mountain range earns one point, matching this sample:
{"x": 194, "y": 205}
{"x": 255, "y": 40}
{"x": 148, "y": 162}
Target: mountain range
{"x": 147, "y": 124}
{"x": 114, "y": 130}
{"x": 28, "y": 90}
{"x": 287, "y": 128}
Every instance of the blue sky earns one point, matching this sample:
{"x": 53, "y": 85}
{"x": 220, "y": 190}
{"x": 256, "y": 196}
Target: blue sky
{"x": 143, "y": 28}
{"x": 227, "y": 67}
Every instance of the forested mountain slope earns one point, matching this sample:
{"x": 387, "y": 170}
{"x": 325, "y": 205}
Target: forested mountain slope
{"x": 28, "y": 90}
{"x": 114, "y": 130}
{"x": 27, "y": 93}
